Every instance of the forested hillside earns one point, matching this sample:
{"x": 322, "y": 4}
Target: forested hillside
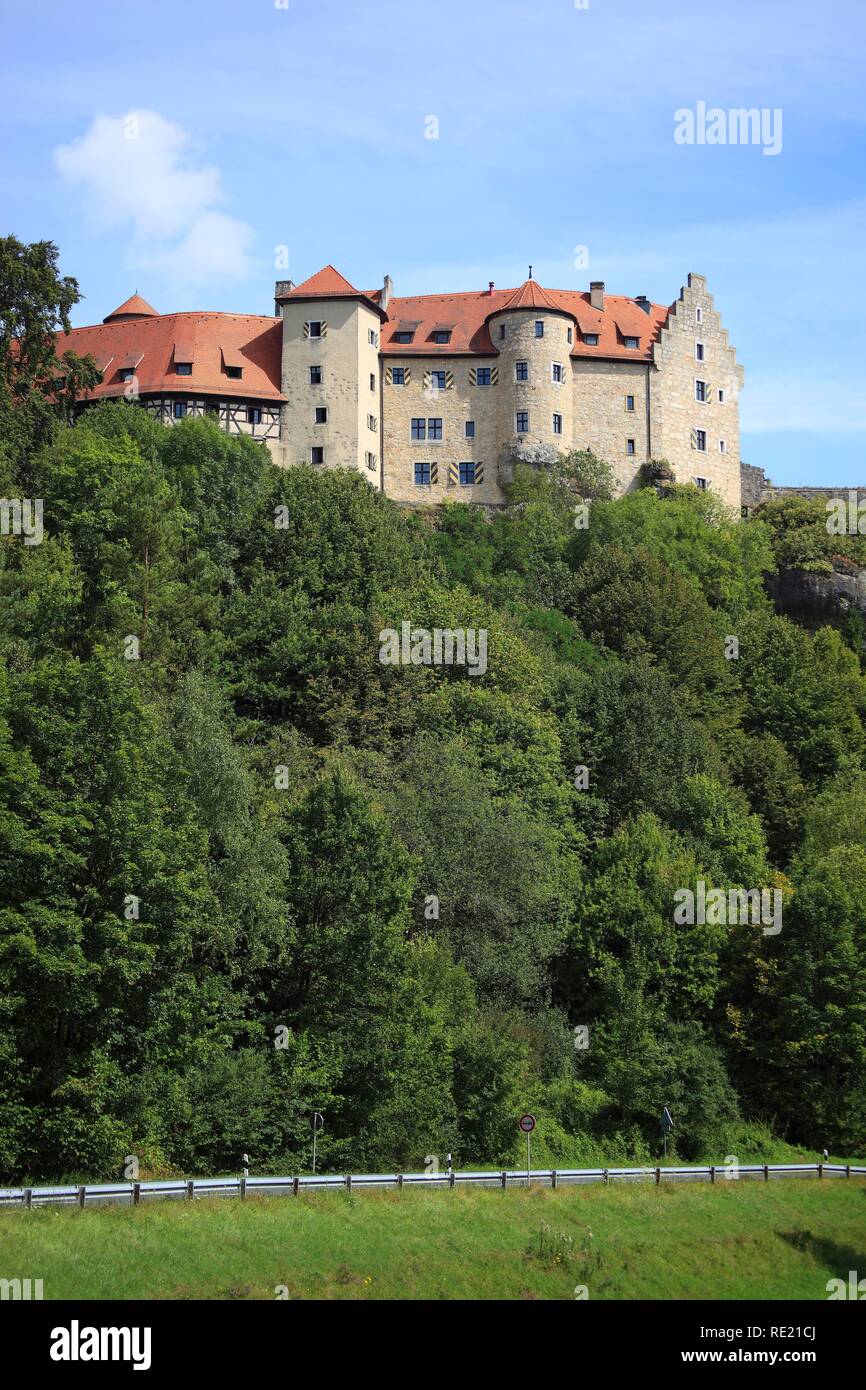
{"x": 247, "y": 870}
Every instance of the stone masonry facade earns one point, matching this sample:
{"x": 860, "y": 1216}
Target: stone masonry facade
{"x": 434, "y": 398}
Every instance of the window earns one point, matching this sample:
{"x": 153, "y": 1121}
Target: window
{"x": 372, "y": 337}
{"x": 235, "y": 373}
{"x": 591, "y": 339}
{"x": 701, "y": 483}
{"x": 723, "y": 448}
{"x": 721, "y": 395}
{"x": 629, "y": 447}
{"x": 521, "y": 371}
{"x": 179, "y": 410}
{"x": 701, "y": 441}
{"x": 557, "y": 424}
{"x": 699, "y": 352}
{"x": 469, "y": 429}
{"x": 254, "y": 415}
{"x": 371, "y": 459}
{"x": 699, "y": 315}
{"x": 501, "y": 331}
{"x": 315, "y": 328}
{"x": 482, "y": 376}
{"x": 126, "y": 373}
{"x": 427, "y": 429}
{"x": 315, "y": 376}
{"x": 700, "y": 390}
{"x": 372, "y": 423}
{"x": 321, "y": 415}
{"x": 403, "y": 337}
{"x": 317, "y": 454}
{"x": 422, "y": 475}
{"x": 522, "y": 422}
{"x": 212, "y": 408}
{"x": 571, "y": 335}
{"x": 437, "y": 381}
{"x": 632, "y": 342}
{"x": 556, "y": 372}
{"x": 442, "y": 335}
{"x": 539, "y": 328}
{"x": 398, "y": 376}
{"x": 183, "y": 368}
{"x": 467, "y": 474}
{"x": 629, "y": 402}
{"x": 372, "y": 381}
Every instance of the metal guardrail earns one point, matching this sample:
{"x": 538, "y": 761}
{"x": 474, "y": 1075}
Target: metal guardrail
{"x": 191, "y": 1188}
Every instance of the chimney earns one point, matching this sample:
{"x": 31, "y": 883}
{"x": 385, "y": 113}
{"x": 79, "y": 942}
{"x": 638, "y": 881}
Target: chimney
{"x": 489, "y": 286}
{"x": 596, "y": 294}
{"x": 281, "y": 288}
{"x": 387, "y": 292}
{"x": 643, "y": 303}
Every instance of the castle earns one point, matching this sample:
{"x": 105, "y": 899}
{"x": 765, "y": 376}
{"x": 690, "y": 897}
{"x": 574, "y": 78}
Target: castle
{"x": 435, "y": 397}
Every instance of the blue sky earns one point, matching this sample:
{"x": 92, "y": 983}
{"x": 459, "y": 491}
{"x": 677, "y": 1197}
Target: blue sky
{"x": 171, "y": 148}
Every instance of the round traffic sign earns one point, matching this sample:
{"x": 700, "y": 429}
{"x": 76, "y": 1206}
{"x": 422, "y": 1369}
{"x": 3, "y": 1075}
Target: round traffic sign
{"x": 527, "y": 1123}
{"x": 317, "y": 1121}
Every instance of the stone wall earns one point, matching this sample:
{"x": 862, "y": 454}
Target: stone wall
{"x": 677, "y": 415}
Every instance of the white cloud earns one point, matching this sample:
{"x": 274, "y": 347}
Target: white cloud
{"x": 135, "y": 171}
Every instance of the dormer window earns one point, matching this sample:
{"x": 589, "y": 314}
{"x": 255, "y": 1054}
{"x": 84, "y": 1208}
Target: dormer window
{"x": 442, "y": 335}
{"x": 126, "y": 373}
{"x": 183, "y": 368}
{"x": 233, "y": 362}
{"x": 591, "y": 339}
{"x": 632, "y": 342}
{"x": 405, "y": 332}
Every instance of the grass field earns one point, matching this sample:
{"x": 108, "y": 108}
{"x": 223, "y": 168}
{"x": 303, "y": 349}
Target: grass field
{"x": 782, "y": 1239}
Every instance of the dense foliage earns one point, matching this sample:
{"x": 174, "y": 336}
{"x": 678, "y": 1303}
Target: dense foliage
{"x": 248, "y": 871}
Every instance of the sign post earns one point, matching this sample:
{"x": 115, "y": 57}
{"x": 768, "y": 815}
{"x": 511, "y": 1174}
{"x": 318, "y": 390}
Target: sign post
{"x": 667, "y": 1126}
{"x": 526, "y": 1124}
{"x": 317, "y": 1122}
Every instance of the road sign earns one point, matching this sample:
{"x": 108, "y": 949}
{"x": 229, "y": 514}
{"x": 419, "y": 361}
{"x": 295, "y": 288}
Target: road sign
{"x": 527, "y": 1123}
{"x": 667, "y": 1122}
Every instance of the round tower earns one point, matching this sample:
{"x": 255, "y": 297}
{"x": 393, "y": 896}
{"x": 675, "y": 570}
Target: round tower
{"x": 535, "y": 408}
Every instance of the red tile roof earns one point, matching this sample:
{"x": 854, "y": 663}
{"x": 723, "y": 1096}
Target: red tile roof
{"x": 136, "y": 335}
{"x": 327, "y": 283}
{"x": 134, "y": 307}
{"x": 156, "y": 342}
{"x": 530, "y": 296}
{"x": 469, "y": 312}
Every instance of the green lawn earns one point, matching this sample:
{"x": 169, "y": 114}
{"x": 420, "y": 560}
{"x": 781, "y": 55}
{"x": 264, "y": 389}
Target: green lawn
{"x": 782, "y": 1239}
